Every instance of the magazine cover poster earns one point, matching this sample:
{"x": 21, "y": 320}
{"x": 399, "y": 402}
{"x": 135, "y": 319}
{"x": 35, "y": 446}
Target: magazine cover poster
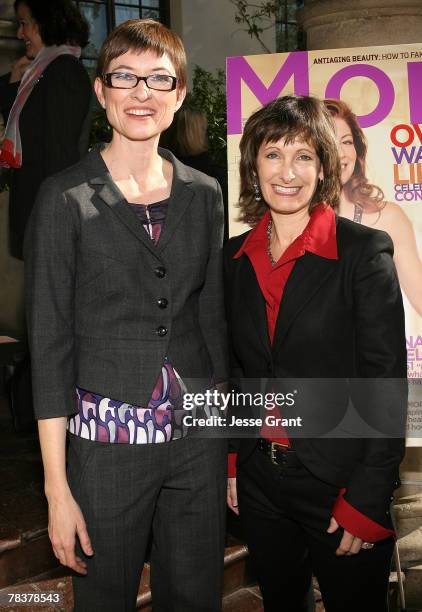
{"x": 383, "y": 88}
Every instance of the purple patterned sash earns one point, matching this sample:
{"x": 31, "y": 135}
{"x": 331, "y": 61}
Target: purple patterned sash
{"x": 105, "y": 420}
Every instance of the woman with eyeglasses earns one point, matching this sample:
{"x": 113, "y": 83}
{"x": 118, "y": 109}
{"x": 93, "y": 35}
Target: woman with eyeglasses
{"x": 125, "y": 312}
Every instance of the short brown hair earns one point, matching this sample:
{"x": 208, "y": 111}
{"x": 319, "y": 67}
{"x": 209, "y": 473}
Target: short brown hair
{"x": 358, "y": 189}
{"x": 143, "y": 35}
{"x": 288, "y": 117}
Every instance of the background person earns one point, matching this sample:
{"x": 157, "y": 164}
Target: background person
{"x": 192, "y": 148}
{"x": 313, "y": 298}
{"x": 125, "y": 302}
{"x": 192, "y": 143}
{"x": 364, "y": 203}
{"x": 45, "y": 100}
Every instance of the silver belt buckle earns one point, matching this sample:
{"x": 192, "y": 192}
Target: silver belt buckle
{"x": 274, "y": 447}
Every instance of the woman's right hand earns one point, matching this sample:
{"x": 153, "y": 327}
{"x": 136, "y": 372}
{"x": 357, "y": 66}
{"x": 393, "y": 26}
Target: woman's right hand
{"x": 65, "y": 520}
{"x": 232, "y": 495}
{"x": 19, "y": 68}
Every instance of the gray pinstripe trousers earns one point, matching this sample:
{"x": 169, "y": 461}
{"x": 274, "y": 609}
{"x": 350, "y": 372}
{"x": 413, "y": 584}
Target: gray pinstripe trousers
{"x": 175, "y": 489}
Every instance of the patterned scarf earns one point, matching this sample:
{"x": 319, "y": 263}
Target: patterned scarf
{"x": 11, "y": 152}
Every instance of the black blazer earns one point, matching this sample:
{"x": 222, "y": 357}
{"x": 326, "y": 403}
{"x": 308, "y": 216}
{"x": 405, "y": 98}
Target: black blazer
{"x": 54, "y": 127}
{"x": 341, "y": 320}
{"x": 105, "y": 304}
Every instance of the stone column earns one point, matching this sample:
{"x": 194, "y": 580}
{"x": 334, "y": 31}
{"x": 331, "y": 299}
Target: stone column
{"x": 9, "y": 45}
{"x": 333, "y": 24}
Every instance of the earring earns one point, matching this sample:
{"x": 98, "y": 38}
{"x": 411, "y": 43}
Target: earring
{"x": 257, "y": 191}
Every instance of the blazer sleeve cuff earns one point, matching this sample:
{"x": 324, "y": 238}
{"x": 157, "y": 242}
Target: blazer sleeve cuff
{"x": 231, "y": 465}
{"x": 357, "y": 523}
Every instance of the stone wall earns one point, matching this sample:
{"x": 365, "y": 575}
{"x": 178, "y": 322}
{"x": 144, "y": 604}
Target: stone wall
{"x": 210, "y": 34}
{"x": 9, "y": 46}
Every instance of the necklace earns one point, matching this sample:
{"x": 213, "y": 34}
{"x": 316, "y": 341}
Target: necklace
{"x": 269, "y": 230}
{"x": 357, "y": 213}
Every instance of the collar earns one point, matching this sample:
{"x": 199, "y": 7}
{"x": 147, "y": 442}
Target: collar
{"x": 103, "y": 186}
{"x": 99, "y": 174}
{"x": 318, "y": 237}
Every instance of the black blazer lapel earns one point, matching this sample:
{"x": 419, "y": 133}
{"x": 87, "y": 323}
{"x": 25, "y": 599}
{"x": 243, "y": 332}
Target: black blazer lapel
{"x": 308, "y": 275}
{"x": 254, "y": 302}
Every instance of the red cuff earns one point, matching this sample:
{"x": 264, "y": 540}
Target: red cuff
{"x": 231, "y": 465}
{"x": 357, "y": 523}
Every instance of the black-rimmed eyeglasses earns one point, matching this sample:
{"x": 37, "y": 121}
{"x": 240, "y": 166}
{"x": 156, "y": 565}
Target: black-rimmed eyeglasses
{"x": 127, "y": 80}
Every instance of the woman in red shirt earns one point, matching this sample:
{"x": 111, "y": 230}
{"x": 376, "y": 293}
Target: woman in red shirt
{"x": 315, "y": 314}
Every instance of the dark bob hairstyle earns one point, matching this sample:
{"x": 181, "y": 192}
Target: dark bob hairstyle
{"x": 139, "y": 35}
{"x": 59, "y": 21}
{"x": 288, "y": 118}
{"x": 358, "y": 189}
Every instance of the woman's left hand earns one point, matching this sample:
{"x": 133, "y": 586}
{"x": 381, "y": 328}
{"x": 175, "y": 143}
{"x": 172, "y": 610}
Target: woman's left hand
{"x": 349, "y": 545}
{"x": 19, "y": 68}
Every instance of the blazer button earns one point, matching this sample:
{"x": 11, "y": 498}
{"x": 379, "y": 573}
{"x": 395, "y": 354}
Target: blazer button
{"x": 161, "y": 331}
{"x": 162, "y": 302}
{"x": 160, "y": 271}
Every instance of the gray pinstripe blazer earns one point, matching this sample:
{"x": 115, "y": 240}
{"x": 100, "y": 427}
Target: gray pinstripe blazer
{"x": 94, "y": 280}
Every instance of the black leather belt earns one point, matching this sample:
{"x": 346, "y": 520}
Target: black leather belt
{"x": 280, "y": 454}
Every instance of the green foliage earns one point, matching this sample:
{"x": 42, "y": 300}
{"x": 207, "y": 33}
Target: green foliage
{"x": 100, "y": 128}
{"x": 256, "y": 18}
{"x": 209, "y": 96}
